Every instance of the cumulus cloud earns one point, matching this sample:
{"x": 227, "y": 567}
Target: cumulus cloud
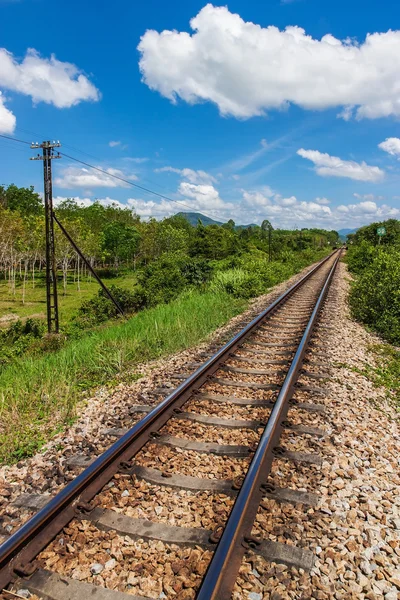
{"x": 246, "y": 69}
{"x": 291, "y": 212}
{"x": 283, "y": 212}
{"x": 203, "y": 197}
{"x": 74, "y": 177}
{"x": 7, "y": 118}
{"x": 367, "y": 210}
{"x": 333, "y": 166}
{"x": 391, "y": 145}
{"x": 368, "y": 197}
{"x": 322, "y": 201}
{"x": 189, "y": 174}
{"x": 46, "y": 79}
{"x": 85, "y": 201}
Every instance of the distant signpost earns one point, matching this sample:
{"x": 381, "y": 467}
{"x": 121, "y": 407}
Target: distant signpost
{"x": 381, "y": 231}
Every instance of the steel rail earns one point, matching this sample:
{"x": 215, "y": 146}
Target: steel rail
{"x": 22, "y": 547}
{"x": 236, "y": 538}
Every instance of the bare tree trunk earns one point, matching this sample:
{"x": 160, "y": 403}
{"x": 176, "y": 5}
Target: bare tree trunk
{"x": 79, "y": 283}
{"x": 24, "y": 282}
{"x": 64, "y": 270}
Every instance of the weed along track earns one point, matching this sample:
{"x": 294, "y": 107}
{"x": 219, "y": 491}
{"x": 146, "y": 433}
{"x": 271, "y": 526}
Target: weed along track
{"x": 219, "y": 474}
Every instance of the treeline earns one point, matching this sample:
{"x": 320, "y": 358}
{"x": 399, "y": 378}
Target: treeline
{"x": 112, "y": 237}
{"x": 375, "y": 262}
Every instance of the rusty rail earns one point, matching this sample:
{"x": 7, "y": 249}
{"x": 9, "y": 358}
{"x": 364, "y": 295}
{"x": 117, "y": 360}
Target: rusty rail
{"x": 221, "y": 575}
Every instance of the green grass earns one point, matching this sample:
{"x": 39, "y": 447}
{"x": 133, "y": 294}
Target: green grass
{"x": 387, "y": 373}
{"x": 39, "y": 395}
{"x": 35, "y": 298}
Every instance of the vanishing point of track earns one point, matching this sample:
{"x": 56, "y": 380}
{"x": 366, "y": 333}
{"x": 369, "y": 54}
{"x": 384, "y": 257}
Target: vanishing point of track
{"x": 258, "y": 368}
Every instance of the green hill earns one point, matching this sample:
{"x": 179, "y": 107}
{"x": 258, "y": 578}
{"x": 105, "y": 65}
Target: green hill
{"x": 194, "y": 218}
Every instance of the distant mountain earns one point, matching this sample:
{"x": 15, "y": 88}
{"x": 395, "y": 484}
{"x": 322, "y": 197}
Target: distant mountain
{"x": 343, "y": 233}
{"x": 193, "y": 219}
{"x": 246, "y": 226}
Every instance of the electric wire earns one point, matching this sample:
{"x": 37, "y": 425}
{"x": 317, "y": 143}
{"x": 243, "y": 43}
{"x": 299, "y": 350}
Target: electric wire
{"x": 127, "y": 181}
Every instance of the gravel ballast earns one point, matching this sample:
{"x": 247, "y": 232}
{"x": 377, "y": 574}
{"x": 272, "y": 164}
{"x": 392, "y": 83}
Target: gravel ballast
{"x": 354, "y": 532}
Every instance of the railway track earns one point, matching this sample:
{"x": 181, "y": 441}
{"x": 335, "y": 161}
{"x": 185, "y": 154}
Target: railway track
{"x": 200, "y": 463}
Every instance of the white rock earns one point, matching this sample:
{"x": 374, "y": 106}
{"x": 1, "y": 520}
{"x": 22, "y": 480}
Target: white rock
{"x": 24, "y": 593}
{"x": 124, "y": 494}
{"x": 96, "y": 568}
{"x": 254, "y": 596}
{"x": 110, "y": 564}
{"x": 366, "y": 568}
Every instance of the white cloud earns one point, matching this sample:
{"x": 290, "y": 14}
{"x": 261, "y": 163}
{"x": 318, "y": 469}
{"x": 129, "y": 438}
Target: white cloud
{"x": 283, "y": 212}
{"x": 291, "y": 212}
{"x": 246, "y": 69}
{"x": 391, "y": 145}
{"x": 256, "y": 199}
{"x": 322, "y": 201}
{"x": 46, "y": 79}
{"x": 204, "y": 197}
{"x": 149, "y": 208}
{"x": 189, "y": 174}
{"x": 288, "y": 201}
{"x": 115, "y": 143}
{"x": 135, "y": 160}
{"x": 368, "y": 197}
{"x": 7, "y": 118}
{"x": 333, "y": 166}
{"x": 73, "y": 177}
{"x": 367, "y": 210}
{"x": 85, "y": 201}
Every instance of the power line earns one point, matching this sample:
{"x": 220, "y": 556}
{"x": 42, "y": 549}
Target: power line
{"x": 127, "y": 181}
{"x": 152, "y": 183}
{"x": 136, "y": 185}
{"x": 7, "y": 137}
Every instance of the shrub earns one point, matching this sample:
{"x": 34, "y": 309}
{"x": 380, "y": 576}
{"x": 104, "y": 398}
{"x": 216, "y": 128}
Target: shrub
{"x": 375, "y": 295}
{"x": 236, "y": 282}
{"x": 360, "y": 257}
{"x": 19, "y": 338}
{"x": 100, "y": 308}
{"x": 164, "y": 279}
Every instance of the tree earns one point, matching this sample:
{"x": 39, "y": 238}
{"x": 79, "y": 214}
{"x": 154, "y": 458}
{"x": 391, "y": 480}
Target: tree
{"x": 120, "y": 242}
{"x": 23, "y": 200}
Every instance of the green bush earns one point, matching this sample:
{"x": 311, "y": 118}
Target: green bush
{"x": 375, "y": 295}
{"x": 100, "y": 308}
{"x": 360, "y": 257}
{"x": 19, "y": 338}
{"x": 236, "y": 282}
{"x": 164, "y": 279}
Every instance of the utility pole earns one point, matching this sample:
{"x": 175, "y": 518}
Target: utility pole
{"x": 51, "y": 268}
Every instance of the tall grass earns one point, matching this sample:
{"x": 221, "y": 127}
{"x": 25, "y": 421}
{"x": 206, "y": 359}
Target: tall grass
{"x": 38, "y": 396}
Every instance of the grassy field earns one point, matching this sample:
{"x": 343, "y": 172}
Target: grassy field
{"x": 39, "y": 395}
{"x": 12, "y": 306}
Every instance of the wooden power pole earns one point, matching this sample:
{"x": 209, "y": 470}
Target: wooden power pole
{"x": 51, "y": 267}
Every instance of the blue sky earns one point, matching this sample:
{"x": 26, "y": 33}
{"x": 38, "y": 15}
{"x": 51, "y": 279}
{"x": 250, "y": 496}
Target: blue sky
{"x": 278, "y": 109}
